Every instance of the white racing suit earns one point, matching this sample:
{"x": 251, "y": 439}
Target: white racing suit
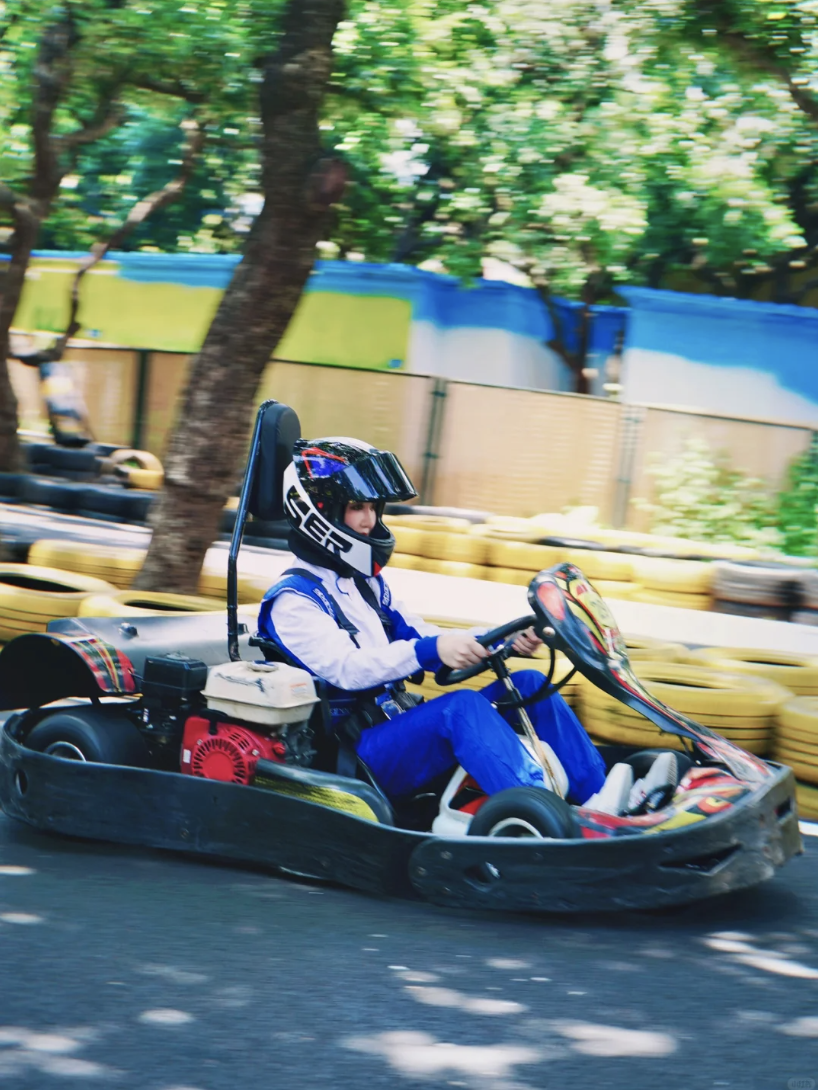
{"x": 386, "y": 645}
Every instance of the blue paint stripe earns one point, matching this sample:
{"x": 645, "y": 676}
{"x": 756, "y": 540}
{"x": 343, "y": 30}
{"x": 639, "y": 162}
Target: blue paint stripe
{"x": 729, "y": 333}
{"x": 443, "y": 301}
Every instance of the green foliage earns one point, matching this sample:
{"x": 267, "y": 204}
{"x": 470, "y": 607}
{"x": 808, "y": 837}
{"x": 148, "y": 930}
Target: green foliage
{"x": 798, "y": 505}
{"x": 577, "y": 140}
{"x": 573, "y": 138}
{"x": 699, "y": 495}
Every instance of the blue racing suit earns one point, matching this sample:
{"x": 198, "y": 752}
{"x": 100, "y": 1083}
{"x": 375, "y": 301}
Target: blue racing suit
{"x": 373, "y": 647}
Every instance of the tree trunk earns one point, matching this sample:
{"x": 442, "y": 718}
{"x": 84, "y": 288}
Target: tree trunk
{"x": 210, "y": 439}
{"x": 25, "y": 236}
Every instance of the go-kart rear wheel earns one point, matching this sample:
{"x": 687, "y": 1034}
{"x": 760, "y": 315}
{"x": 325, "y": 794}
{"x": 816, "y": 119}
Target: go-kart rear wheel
{"x": 99, "y": 735}
{"x": 521, "y": 812}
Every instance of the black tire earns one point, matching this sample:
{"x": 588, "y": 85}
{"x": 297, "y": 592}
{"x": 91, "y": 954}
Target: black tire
{"x": 11, "y": 485}
{"x": 526, "y": 812}
{"x": 107, "y": 500}
{"x": 641, "y": 762}
{"x": 51, "y": 492}
{"x": 98, "y": 735}
{"x": 73, "y": 459}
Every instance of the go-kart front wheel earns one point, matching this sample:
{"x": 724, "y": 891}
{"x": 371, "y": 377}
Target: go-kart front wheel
{"x": 99, "y": 735}
{"x": 521, "y": 812}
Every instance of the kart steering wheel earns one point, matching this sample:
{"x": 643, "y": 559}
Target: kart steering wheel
{"x": 507, "y": 632}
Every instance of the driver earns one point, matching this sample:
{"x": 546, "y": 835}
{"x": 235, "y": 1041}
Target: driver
{"x": 334, "y": 616}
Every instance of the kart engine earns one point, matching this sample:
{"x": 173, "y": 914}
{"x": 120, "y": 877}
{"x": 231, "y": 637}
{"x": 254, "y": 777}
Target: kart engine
{"x": 223, "y": 720}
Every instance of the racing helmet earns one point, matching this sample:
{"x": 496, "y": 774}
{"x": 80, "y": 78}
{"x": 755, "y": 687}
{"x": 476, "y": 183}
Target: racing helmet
{"x": 323, "y": 477}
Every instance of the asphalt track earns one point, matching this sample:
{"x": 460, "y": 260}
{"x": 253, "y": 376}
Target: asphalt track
{"x": 136, "y": 969}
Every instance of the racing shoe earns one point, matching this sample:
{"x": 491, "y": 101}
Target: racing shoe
{"x": 655, "y": 789}
{"x": 614, "y": 795}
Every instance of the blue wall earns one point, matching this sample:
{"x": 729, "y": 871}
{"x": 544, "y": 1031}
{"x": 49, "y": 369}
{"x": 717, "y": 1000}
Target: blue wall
{"x": 725, "y": 355}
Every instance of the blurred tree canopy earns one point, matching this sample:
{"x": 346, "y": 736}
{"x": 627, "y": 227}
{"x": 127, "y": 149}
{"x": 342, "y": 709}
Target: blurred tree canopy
{"x": 582, "y": 139}
{"x": 586, "y": 142}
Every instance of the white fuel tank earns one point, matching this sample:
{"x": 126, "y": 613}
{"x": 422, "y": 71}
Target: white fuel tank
{"x": 270, "y": 693}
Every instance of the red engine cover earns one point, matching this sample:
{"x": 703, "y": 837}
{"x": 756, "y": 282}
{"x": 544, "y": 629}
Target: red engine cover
{"x": 225, "y": 751}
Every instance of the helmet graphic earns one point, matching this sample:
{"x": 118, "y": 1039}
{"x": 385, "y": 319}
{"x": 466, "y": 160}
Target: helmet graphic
{"x": 323, "y": 477}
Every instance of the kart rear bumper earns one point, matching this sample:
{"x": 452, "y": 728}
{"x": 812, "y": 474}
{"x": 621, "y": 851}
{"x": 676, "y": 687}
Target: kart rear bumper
{"x": 732, "y": 850}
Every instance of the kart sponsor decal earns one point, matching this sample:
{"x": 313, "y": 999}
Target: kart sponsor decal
{"x": 552, "y": 600}
{"x": 112, "y": 670}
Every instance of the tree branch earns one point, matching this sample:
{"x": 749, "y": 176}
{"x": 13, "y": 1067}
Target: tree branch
{"x": 94, "y": 130}
{"x": 138, "y": 214}
{"x": 761, "y": 60}
{"x": 171, "y": 88}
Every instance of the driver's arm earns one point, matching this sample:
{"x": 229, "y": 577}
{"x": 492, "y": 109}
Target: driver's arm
{"x": 313, "y": 638}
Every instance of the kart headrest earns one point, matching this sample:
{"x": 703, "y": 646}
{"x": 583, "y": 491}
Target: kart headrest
{"x": 278, "y": 428}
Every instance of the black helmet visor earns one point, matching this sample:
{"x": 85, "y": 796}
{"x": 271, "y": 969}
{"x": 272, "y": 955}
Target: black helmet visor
{"x": 380, "y": 476}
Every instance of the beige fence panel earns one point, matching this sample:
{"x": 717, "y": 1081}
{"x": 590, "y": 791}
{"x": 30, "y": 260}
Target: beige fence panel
{"x": 760, "y": 448}
{"x": 167, "y": 374}
{"x": 387, "y": 409}
{"x": 522, "y": 452}
{"x": 106, "y": 379}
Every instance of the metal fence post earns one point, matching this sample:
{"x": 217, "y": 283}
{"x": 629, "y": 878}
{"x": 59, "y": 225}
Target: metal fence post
{"x": 433, "y": 433}
{"x": 143, "y": 358}
{"x": 629, "y": 439}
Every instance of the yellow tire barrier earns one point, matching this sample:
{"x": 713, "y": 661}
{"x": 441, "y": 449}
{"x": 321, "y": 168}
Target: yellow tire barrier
{"x": 506, "y": 527}
{"x": 135, "y": 603}
{"x": 439, "y": 524}
{"x": 615, "y": 588}
{"x": 406, "y": 560}
{"x": 722, "y": 702}
{"x": 697, "y": 691}
{"x": 802, "y": 770}
{"x": 453, "y": 567}
{"x": 148, "y": 480}
{"x": 606, "y": 733}
{"x": 648, "y": 647}
{"x": 798, "y": 673}
{"x": 115, "y": 565}
{"x": 670, "y": 598}
{"x": 679, "y": 576}
{"x": 799, "y": 716}
{"x": 519, "y": 554}
{"x": 807, "y": 798}
{"x": 514, "y": 576}
{"x": 250, "y": 588}
{"x": 461, "y": 548}
{"x": 136, "y": 459}
{"x": 31, "y": 596}
{"x": 408, "y": 539}
{"x": 599, "y": 564}
{"x": 755, "y": 725}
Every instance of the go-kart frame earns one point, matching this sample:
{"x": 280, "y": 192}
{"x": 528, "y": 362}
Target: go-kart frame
{"x": 315, "y": 823}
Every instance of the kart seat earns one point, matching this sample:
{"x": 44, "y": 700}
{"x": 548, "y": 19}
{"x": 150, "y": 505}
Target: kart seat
{"x": 278, "y": 430}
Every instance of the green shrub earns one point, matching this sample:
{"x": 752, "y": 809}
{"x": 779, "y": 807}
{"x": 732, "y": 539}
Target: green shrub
{"x": 699, "y": 495}
{"x": 798, "y": 504}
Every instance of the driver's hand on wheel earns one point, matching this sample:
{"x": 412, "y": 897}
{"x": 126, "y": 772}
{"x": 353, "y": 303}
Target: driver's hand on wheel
{"x": 527, "y": 642}
{"x": 459, "y": 649}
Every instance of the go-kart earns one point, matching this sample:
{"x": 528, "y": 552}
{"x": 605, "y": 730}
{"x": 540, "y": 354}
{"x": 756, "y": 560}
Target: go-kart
{"x": 159, "y": 732}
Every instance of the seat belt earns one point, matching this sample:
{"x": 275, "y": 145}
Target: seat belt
{"x": 347, "y": 759}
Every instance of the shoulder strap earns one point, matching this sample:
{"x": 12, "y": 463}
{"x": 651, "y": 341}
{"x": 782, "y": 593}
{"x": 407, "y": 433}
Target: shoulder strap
{"x": 338, "y": 614}
{"x": 368, "y": 595}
